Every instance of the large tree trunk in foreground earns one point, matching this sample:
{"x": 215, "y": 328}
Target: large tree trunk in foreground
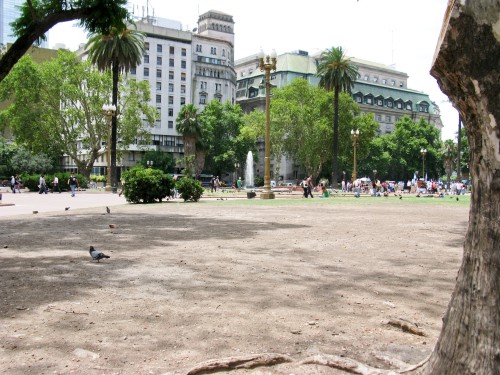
{"x": 466, "y": 66}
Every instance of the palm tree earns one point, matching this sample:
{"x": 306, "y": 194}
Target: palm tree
{"x": 120, "y": 51}
{"x": 188, "y": 125}
{"x": 336, "y": 74}
{"x": 448, "y": 156}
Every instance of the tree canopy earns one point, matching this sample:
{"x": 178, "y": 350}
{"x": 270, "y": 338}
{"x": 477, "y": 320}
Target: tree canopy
{"x": 57, "y": 108}
{"x": 39, "y": 16}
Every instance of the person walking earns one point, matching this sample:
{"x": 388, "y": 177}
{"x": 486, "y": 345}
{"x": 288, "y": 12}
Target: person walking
{"x": 17, "y": 184}
{"x": 55, "y": 185}
{"x": 303, "y": 184}
{"x": 309, "y": 186}
{"x": 12, "y": 183}
{"x": 239, "y": 183}
{"x": 42, "y": 185}
{"x": 73, "y": 183}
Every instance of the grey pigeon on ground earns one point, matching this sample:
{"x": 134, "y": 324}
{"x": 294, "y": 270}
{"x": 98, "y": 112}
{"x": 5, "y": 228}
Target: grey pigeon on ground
{"x": 108, "y": 210}
{"x": 66, "y": 209}
{"x": 96, "y": 254}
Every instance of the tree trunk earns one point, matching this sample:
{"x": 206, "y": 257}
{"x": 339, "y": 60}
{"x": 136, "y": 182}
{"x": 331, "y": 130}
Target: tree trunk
{"x": 116, "y": 76}
{"x": 459, "y": 144}
{"x": 335, "y": 155}
{"x": 466, "y": 66}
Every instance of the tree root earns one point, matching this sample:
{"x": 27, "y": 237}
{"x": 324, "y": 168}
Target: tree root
{"x": 346, "y": 364}
{"x": 244, "y": 362}
{"x": 406, "y": 327}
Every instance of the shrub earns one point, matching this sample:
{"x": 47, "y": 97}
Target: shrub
{"x": 189, "y": 189}
{"x": 258, "y": 180}
{"x": 97, "y": 178}
{"x": 146, "y": 185}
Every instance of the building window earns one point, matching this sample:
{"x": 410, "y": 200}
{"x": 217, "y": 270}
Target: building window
{"x": 146, "y": 46}
{"x": 375, "y": 79}
{"x": 408, "y": 106}
{"x": 384, "y": 81}
{"x": 203, "y": 99}
{"x": 358, "y": 99}
{"x": 146, "y": 72}
{"x": 213, "y": 50}
{"x": 183, "y": 76}
{"x": 170, "y": 100}
{"x": 133, "y": 71}
{"x": 401, "y": 84}
{"x": 223, "y": 53}
{"x": 183, "y": 100}
{"x": 379, "y": 118}
{"x": 158, "y": 98}
{"x": 183, "y": 64}
{"x": 170, "y": 124}
{"x": 393, "y": 82}
{"x": 183, "y": 52}
{"x": 380, "y": 102}
{"x": 158, "y": 60}
{"x": 203, "y": 85}
{"x": 366, "y": 77}
{"x": 171, "y": 62}
{"x": 170, "y": 112}
{"x": 170, "y": 74}
{"x": 198, "y": 48}
{"x": 388, "y": 118}
{"x": 369, "y": 101}
{"x": 158, "y": 86}
{"x": 170, "y": 87}
{"x": 159, "y": 48}
{"x": 146, "y": 59}
{"x": 399, "y": 105}
{"x": 183, "y": 89}
{"x": 218, "y": 87}
{"x": 158, "y": 73}
{"x": 389, "y": 104}
{"x": 172, "y": 50}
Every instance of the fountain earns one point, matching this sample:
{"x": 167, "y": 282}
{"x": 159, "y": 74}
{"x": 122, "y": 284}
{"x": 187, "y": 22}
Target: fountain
{"x": 249, "y": 182}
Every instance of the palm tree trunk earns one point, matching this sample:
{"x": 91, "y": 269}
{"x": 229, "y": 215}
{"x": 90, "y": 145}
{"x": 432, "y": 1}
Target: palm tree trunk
{"x": 335, "y": 137}
{"x": 114, "y": 181}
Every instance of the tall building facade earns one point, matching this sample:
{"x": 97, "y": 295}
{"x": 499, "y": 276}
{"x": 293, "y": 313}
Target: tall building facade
{"x": 379, "y": 89}
{"x": 182, "y": 67}
{"x": 9, "y": 12}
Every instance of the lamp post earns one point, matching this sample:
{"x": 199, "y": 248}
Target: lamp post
{"x": 109, "y": 111}
{"x": 374, "y": 174}
{"x": 150, "y": 163}
{"x": 423, "y": 151}
{"x": 266, "y": 64}
{"x": 236, "y": 170}
{"x": 354, "y": 136}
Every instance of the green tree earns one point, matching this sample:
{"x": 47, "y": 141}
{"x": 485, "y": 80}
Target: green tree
{"x": 220, "y": 129}
{"x": 118, "y": 50}
{"x": 25, "y": 162}
{"x": 337, "y": 74}
{"x": 188, "y": 125}
{"x": 57, "y": 108}
{"x": 161, "y": 160}
{"x": 300, "y": 122}
{"x": 39, "y": 16}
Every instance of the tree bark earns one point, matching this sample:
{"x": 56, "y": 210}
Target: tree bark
{"x": 466, "y": 66}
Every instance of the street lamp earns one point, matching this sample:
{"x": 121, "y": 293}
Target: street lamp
{"x": 354, "y": 136}
{"x": 374, "y": 174}
{"x": 423, "y": 151}
{"x": 236, "y": 169}
{"x": 109, "y": 111}
{"x": 266, "y": 64}
{"x": 150, "y": 163}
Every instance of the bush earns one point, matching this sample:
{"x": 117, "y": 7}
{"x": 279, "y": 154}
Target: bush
{"x": 189, "y": 189}
{"x": 97, "y": 178}
{"x": 146, "y": 185}
{"x": 259, "y": 181}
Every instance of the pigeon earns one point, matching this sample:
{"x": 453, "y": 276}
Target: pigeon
{"x": 35, "y": 212}
{"x": 400, "y": 197}
{"x": 96, "y": 254}
{"x": 457, "y": 199}
{"x": 66, "y": 209}
{"x": 108, "y": 210}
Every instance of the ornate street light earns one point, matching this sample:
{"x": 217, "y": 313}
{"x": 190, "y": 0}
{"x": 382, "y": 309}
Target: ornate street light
{"x": 109, "y": 111}
{"x": 266, "y": 64}
{"x": 354, "y": 136}
{"x": 423, "y": 151}
{"x": 150, "y": 163}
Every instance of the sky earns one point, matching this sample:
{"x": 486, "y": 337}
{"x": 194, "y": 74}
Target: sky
{"x": 402, "y": 33}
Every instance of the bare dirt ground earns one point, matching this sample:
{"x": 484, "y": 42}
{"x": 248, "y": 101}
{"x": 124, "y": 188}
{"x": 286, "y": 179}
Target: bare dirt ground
{"x": 187, "y": 283}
